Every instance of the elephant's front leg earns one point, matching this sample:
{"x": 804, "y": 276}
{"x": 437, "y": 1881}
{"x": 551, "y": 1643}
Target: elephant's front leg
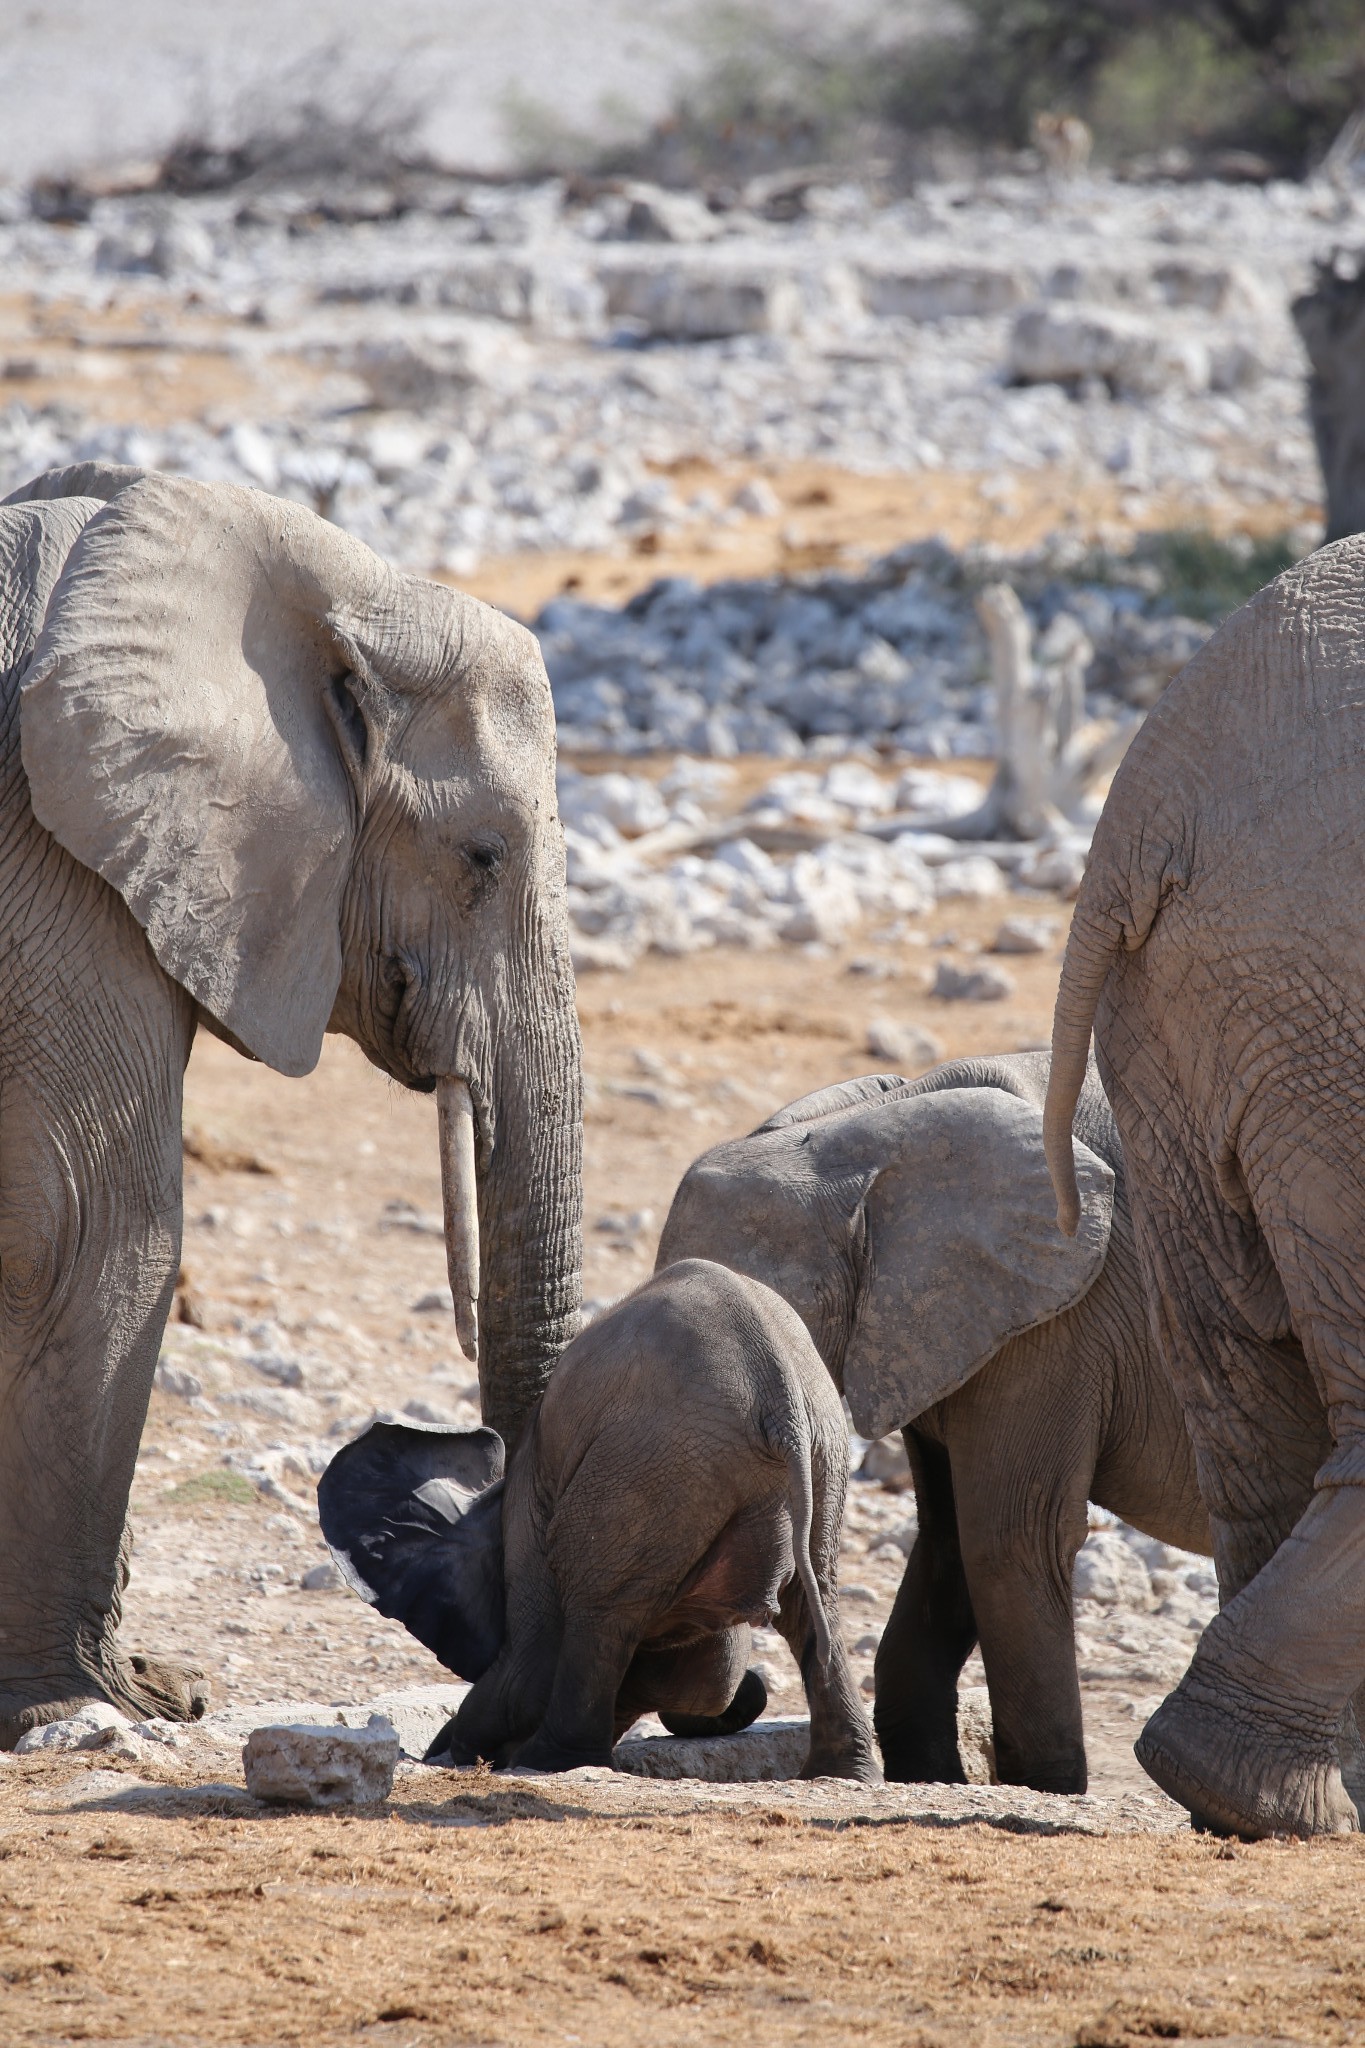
{"x": 579, "y": 1724}
{"x": 90, "y": 1193}
{"x": 928, "y": 1639}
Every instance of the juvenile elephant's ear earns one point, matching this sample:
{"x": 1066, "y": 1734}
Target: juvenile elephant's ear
{"x": 962, "y": 1249}
{"x": 213, "y": 677}
{"x": 413, "y": 1518}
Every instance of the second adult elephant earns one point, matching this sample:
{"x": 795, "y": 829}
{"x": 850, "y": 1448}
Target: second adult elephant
{"x": 254, "y": 779}
{"x": 911, "y": 1225}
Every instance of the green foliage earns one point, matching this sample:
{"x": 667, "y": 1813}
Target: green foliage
{"x": 777, "y": 84}
{"x": 218, "y": 1488}
{"x": 1204, "y": 577}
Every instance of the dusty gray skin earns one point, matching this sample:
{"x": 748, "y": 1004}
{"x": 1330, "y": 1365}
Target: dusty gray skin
{"x": 911, "y": 1225}
{"x": 682, "y": 1481}
{"x": 1216, "y": 947}
{"x": 250, "y": 778}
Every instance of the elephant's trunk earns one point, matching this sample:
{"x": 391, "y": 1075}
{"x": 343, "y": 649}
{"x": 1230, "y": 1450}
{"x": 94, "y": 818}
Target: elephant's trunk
{"x": 531, "y": 1209}
{"x": 460, "y": 1203}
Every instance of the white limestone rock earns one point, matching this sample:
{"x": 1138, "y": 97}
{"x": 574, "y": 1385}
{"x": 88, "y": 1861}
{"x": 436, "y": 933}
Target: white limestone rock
{"x": 321, "y": 1766}
{"x": 96, "y": 1727}
{"x": 971, "y": 984}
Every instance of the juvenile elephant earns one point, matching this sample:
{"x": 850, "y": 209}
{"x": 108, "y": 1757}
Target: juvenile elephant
{"x": 250, "y": 778}
{"x": 911, "y": 1226}
{"x": 1216, "y": 947}
{"x": 681, "y": 1480}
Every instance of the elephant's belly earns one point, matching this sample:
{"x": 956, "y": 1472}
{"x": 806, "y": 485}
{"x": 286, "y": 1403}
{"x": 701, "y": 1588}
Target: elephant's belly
{"x": 739, "y": 1578}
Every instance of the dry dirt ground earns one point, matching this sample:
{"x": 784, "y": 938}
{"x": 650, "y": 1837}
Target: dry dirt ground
{"x": 500, "y": 1913}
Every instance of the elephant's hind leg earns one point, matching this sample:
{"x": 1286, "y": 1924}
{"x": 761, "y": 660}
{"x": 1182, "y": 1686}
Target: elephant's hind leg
{"x": 928, "y": 1639}
{"x": 1260, "y": 1317}
{"x": 90, "y": 1184}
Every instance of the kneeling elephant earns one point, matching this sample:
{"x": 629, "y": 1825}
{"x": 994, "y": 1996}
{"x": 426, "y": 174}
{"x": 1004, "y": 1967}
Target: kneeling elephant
{"x": 681, "y": 1479}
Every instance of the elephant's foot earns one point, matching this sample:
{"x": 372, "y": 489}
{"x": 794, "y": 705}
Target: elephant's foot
{"x": 143, "y": 1688}
{"x": 751, "y": 1697}
{"x": 859, "y": 1765}
{"x": 912, "y": 1757}
{"x": 544, "y": 1753}
{"x": 1242, "y": 1769}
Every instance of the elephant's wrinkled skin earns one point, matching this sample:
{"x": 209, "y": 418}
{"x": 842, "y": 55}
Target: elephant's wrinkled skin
{"x": 251, "y": 778}
{"x": 911, "y": 1225}
{"x": 1216, "y": 947}
{"x": 682, "y": 1479}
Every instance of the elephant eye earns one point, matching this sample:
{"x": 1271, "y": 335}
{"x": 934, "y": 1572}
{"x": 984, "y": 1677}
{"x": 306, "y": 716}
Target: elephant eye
{"x": 350, "y": 719}
{"x": 485, "y": 856}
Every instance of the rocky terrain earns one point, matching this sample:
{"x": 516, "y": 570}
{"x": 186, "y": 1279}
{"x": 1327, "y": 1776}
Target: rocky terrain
{"x": 456, "y": 370}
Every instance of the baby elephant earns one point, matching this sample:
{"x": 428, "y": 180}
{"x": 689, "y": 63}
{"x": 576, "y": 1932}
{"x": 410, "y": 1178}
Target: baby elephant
{"x": 681, "y": 1480}
{"x": 912, "y": 1225}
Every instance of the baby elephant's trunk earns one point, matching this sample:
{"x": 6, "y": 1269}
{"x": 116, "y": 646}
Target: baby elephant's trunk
{"x": 792, "y": 1439}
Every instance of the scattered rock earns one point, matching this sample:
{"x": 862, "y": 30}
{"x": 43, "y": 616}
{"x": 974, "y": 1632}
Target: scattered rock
{"x": 176, "y": 1379}
{"x": 1025, "y": 935}
{"x": 971, "y": 984}
{"x": 757, "y": 499}
{"x": 906, "y": 1047}
{"x": 323, "y": 1578}
{"x": 436, "y": 1301}
{"x": 976, "y": 1735}
{"x": 886, "y": 1462}
{"x": 963, "y": 291}
{"x": 1110, "y": 1572}
{"x": 96, "y": 1727}
{"x": 321, "y": 1766}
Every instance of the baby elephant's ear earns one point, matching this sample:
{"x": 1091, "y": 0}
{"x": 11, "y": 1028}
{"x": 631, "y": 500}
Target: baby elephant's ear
{"x": 413, "y": 1518}
{"x": 962, "y": 1249}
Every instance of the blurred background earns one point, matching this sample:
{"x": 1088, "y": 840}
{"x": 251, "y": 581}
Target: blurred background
{"x": 750, "y": 353}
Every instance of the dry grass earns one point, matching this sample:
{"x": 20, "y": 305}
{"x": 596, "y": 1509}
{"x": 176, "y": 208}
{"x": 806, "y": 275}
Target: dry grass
{"x": 518, "y": 1915}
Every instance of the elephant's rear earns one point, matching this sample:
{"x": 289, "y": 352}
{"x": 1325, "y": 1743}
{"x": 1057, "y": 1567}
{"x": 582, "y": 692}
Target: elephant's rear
{"x": 683, "y": 1385}
{"x": 1222, "y": 859}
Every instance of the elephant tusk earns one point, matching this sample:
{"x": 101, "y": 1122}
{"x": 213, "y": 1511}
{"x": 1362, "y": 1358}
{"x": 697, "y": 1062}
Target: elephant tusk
{"x": 460, "y": 1204}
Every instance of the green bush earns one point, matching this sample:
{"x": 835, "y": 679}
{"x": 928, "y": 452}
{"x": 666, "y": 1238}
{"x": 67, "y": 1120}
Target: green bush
{"x": 1279, "y": 78}
{"x": 1204, "y": 577}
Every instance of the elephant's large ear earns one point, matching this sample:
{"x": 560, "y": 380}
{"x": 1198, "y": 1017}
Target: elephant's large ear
{"x": 214, "y": 675}
{"x": 413, "y": 1518}
{"x": 962, "y": 1249}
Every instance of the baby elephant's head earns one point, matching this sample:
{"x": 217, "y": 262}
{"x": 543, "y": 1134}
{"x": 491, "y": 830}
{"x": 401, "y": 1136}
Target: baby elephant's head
{"x": 413, "y": 1518}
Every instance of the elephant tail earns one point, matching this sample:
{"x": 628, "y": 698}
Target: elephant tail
{"x": 1090, "y": 951}
{"x": 791, "y": 1439}
{"x": 1130, "y": 875}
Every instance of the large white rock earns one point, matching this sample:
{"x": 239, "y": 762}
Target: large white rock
{"x": 1063, "y": 344}
{"x": 701, "y": 302}
{"x": 772, "y": 1750}
{"x": 321, "y": 1766}
{"x": 944, "y": 291}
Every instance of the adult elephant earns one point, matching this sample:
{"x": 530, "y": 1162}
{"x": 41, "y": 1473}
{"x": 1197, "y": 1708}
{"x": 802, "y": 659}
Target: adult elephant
{"x": 1216, "y": 946}
{"x": 250, "y": 777}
